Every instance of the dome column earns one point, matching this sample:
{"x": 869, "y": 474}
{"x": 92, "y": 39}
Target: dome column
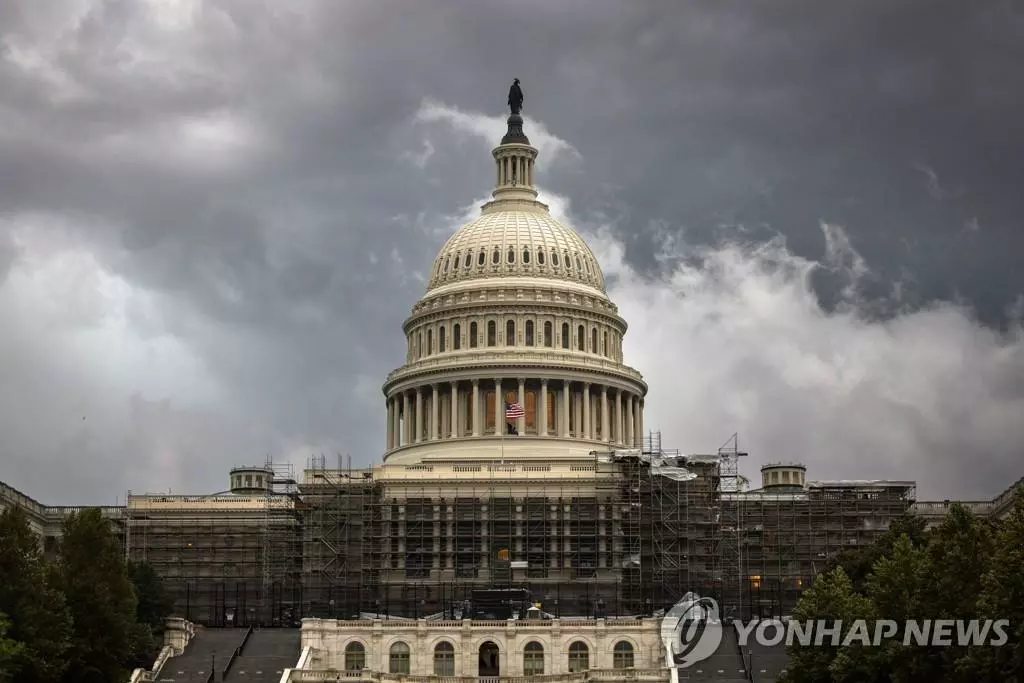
{"x": 396, "y": 423}
{"x": 389, "y": 426}
{"x": 542, "y": 420}
{"x": 435, "y": 431}
{"x": 499, "y": 414}
{"x": 455, "y": 410}
{"x": 521, "y": 421}
{"x": 640, "y": 420}
{"x": 418, "y": 424}
{"x": 475, "y": 413}
{"x": 587, "y": 409}
{"x": 618, "y": 418}
{"x": 406, "y": 422}
{"x": 629, "y": 420}
{"x": 565, "y": 409}
{"x": 604, "y": 413}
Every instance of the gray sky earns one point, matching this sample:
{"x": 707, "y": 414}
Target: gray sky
{"x": 214, "y": 217}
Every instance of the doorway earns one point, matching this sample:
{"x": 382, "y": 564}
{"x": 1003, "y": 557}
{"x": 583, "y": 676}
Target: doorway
{"x": 490, "y": 660}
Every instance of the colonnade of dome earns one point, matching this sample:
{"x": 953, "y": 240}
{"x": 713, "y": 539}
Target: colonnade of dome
{"x": 557, "y": 408}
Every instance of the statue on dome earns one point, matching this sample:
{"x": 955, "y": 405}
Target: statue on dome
{"x": 515, "y": 97}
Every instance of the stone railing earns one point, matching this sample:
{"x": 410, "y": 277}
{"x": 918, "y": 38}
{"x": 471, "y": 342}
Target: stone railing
{"x": 605, "y": 675}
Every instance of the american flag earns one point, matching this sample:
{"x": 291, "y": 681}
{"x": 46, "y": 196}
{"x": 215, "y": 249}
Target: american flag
{"x": 514, "y": 411}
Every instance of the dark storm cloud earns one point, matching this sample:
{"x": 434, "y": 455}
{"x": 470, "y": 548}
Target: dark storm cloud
{"x": 242, "y": 178}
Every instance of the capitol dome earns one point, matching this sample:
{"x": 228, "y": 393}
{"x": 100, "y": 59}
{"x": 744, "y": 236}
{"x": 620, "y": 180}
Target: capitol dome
{"x": 514, "y": 351}
{"x": 526, "y": 242}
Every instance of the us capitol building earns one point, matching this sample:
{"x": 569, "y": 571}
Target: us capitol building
{"x": 518, "y": 482}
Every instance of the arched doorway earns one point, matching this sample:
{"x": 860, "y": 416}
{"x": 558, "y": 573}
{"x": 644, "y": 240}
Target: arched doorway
{"x": 490, "y": 660}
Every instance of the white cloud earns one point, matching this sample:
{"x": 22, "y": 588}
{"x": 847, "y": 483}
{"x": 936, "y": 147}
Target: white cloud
{"x": 491, "y": 128}
{"x": 739, "y": 342}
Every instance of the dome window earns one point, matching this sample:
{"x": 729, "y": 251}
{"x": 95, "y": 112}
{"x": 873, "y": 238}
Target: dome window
{"x": 456, "y": 337}
{"x": 446, "y": 259}
{"x": 565, "y": 335}
{"x": 593, "y": 340}
{"x": 540, "y": 257}
{"x": 469, "y": 260}
{"x": 491, "y": 333}
{"x": 480, "y": 258}
{"x": 496, "y": 257}
{"x": 578, "y": 266}
{"x": 510, "y": 333}
{"x": 526, "y": 255}
{"x": 586, "y": 262}
{"x": 529, "y": 333}
{"x": 511, "y": 255}
{"x": 568, "y": 261}
{"x": 554, "y": 258}
{"x": 472, "y": 335}
{"x": 581, "y": 338}
{"x": 440, "y": 339}
{"x": 547, "y": 333}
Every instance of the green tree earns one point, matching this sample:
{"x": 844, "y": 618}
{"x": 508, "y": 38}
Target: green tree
{"x": 151, "y": 612}
{"x": 859, "y": 562}
{"x": 11, "y": 652}
{"x": 31, "y": 597}
{"x": 1002, "y": 597}
{"x": 831, "y": 597}
{"x": 101, "y": 598}
{"x": 154, "y": 604}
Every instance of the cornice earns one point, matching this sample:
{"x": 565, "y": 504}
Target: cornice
{"x": 468, "y": 365}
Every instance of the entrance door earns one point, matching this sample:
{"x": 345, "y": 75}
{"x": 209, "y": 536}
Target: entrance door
{"x": 490, "y": 661}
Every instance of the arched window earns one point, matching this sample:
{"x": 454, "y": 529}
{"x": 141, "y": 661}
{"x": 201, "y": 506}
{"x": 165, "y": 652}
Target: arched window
{"x": 605, "y": 347}
{"x": 586, "y": 262}
{"x": 398, "y": 658}
{"x": 565, "y": 335}
{"x": 492, "y": 333}
{"x": 526, "y": 255}
{"x": 533, "y": 659}
{"x": 540, "y": 257}
{"x": 419, "y": 344}
{"x": 547, "y": 333}
{"x": 511, "y": 255}
{"x": 440, "y": 339}
{"x": 480, "y": 258}
{"x": 444, "y": 659}
{"x": 593, "y": 340}
{"x": 578, "y": 266}
{"x": 529, "y": 333}
{"x": 568, "y": 261}
{"x": 510, "y": 333}
{"x": 430, "y": 342}
{"x": 554, "y": 258}
{"x": 581, "y": 338}
{"x": 456, "y": 337}
{"x": 622, "y": 655}
{"x": 355, "y": 657}
{"x": 469, "y": 260}
{"x": 472, "y": 335}
{"x": 445, "y": 269}
{"x": 579, "y": 657}
{"x": 496, "y": 257}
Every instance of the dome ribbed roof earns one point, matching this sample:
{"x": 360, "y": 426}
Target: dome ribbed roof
{"x": 516, "y": 243}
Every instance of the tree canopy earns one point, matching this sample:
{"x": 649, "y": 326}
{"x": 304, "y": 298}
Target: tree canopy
{"x": 81, "y": 616}
{"x": 965, "y": 568}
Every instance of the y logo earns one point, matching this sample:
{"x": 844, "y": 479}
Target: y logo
{"x": 691, "y": 631}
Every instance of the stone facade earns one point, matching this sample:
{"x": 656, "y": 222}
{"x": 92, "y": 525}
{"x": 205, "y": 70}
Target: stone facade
{"x": 466, "y": 648}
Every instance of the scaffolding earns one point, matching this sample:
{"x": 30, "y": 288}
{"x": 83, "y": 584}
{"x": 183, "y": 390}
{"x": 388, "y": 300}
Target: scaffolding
{"x": 225, "y": 559}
